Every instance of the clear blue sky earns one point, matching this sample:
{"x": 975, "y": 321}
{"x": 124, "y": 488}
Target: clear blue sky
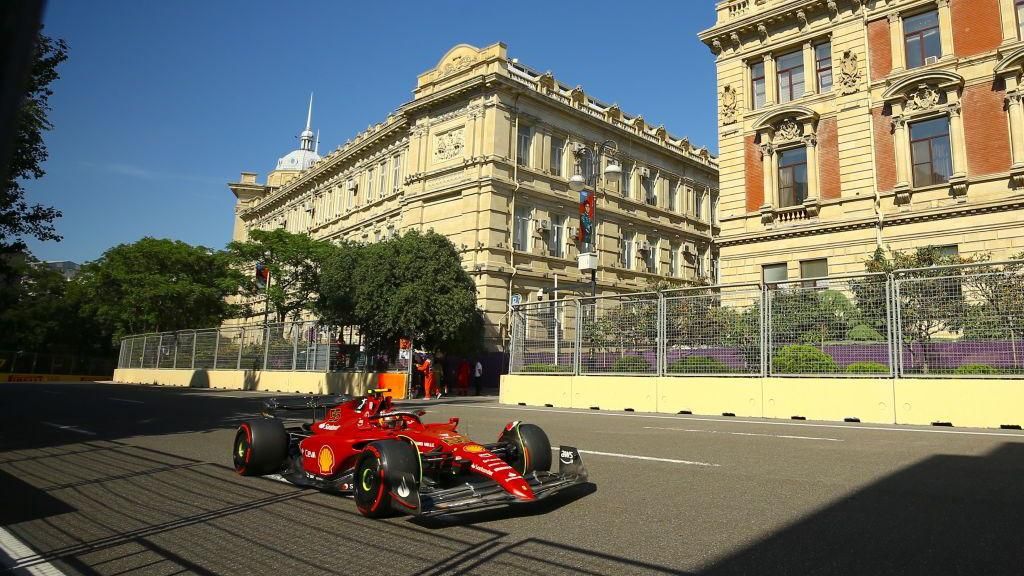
{"x": 161, "y": 103}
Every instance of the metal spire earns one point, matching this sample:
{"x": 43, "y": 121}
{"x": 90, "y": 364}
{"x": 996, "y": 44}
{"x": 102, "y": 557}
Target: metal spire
{"x": 309, "y": 115}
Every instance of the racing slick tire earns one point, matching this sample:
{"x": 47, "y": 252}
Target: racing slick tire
{"x": 260, "y": 447}
{"x": 378, "y": 472}
{"x": 531, "y": 449}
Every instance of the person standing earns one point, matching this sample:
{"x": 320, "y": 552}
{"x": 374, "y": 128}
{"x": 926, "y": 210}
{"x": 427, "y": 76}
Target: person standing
{"x": 478, "y": 376}
{"x": 427, "y": 369}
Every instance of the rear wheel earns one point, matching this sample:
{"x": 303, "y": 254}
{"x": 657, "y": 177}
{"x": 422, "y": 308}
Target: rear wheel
{"x": 529, "y": 447}
{"x": 378, "y": 468}
{"x": 260, "y": 447}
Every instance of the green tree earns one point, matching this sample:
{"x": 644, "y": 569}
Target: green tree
{"x": 294, "y": 260}
{"x": 1000, "y": 314}
{"x": 336, "y": 296}
{"x": 19, "y": 218}
{"x": 413, "y": 286}
{"x": 156, "y": 285}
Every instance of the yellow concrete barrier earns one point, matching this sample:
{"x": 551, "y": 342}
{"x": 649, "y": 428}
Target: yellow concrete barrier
{"x": 351, "y": 383}
{"x": 19, "y": 377}
{"x": 984, "y": 403}
{"x": 710, "y": 395}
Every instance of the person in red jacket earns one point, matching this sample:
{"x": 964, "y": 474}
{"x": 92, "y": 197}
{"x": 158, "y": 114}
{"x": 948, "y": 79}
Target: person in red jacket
{"x": 462, "y": 378}
{"x": 428, "y": 376}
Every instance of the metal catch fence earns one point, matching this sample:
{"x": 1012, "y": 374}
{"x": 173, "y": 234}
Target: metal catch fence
{"x": 960, "y": 321}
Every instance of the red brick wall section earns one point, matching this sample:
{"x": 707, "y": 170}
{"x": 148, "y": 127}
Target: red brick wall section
{"x": 986, "y": 131}
{"x": 976, "y": 26}
{"x": 754, "y": 174}
{"x": 880, "y": 48}
{"x": 828, "y": 159}
{"x": 885, "y": 153}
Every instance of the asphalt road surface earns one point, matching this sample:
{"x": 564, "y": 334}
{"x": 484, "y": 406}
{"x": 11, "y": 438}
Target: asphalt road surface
{"x": 116, "y": 479}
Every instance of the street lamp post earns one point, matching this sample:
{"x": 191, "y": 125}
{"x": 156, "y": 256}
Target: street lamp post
{"x": 579, "y": 182}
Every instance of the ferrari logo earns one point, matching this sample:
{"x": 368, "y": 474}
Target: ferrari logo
{"x": 325, "y": 459}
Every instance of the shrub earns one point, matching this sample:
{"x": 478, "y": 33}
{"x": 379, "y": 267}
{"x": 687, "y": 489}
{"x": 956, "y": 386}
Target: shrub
{"x": 864, "y": 333}
{"x": 802, "y": 359}
{"x": 542, "y": 367}
{"x": 698, "y": 365}
{"x": 634, "y": 364}
{"x": 867, "y": 368}
{"x": 975, "y": 369}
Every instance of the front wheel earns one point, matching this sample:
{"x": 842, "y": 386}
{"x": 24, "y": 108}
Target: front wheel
{"x": 387, "y": 471}
{"x": 529, "y": 447}
{"x": 260, "y": 447}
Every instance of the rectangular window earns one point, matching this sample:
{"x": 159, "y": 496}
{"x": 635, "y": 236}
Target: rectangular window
{"x": 382, "y": 183}
{"x": 521, "y": 233}
{"x": 627, "y": 180}
{"x": 698, "y": 204}
{"x": 790, "y": 76}
{"x": 396, "y": 173}
{"x": 792, "y": 177}
{"x": 671, "y": 192}
{"x": 774, "y": 273}
{"x": 716, "y": 269}
{"x": 823, "y": 66}
{"x": 714, "y": 209}
{"x": 628, "y": 240}
{"x": 673, "y": 260}
{"x": 814, "y": 269}
{"x": 651, "y": 257}
{"x": 523, "y": 146}
{"x": 702, "y": 255}
{"x": 556, "y": 238}
{"x": 930, "y": 152}
{"x": 647, "y": 183}
{"x": 921, "y": 38}
{"x": 369, "y": 185}
{"x": 1019, "y": 9}
{"x": 557, "y": 150}
{"x": 757, "y": 85}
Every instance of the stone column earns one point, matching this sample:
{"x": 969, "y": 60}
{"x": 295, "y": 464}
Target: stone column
{"x": 945, "y": 29}
{"x": 770, "y": 81}
{"x": 957, "y": 141}
{"x": 810, "y": 70}
{"x": 902, "y": 143}
{"x": 899, "y": 56}
{"x": 811, "y": 142}
{"x": 1007, "y": 11}
{"x": 1014, "y": 103}
{"x": 768, "y": 170}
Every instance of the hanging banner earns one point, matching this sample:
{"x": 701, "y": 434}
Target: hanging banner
{"x": 585, "y": 234}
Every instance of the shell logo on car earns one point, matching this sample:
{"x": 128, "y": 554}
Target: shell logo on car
{"x": 325, "y": 459}
{"x": 474, "y": 449}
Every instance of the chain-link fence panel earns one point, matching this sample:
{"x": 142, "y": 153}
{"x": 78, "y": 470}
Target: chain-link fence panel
{"x": 837, "y": 326}
{"x": 252, "y": 348}
{"x": 167, "y": 352}
{"x": 314, "y": 348}
{"x": 713, "y": 331}
{"x": 205, "y": 349}
{"x": 281, "y": 348}
{"x": 619, "y": 335}
{"x": 962, "y": 322}
{"x": 544, "y": 337}
{"x": 150, "y": 345}
{"x": 186, "y": 341}
{"x": 229, "y": 344}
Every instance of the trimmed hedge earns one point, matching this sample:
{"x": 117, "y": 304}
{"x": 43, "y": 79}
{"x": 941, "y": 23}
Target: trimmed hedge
{"x": 867, "y": 368}
{"x": 864, "y": 333}
{"x": 698, "y": 365}
{"x": 631, "y": 364}
{"x": 542, "y": 367}
{"x": 969, "y": 369}
{"x": 803, "y": 359}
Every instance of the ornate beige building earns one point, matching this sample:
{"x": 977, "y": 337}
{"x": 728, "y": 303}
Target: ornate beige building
{"x": 850, "y": 124}
{"x": 482, "y": 154}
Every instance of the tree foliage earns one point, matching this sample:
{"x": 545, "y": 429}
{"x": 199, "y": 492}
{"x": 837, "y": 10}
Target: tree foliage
{"x": 294, "y": 261}
{"x": 18, "y": 217}
{"x": 157, "y": 285}
{"x": 408, "y": 286}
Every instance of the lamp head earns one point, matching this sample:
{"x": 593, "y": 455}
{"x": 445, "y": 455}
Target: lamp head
{"x": 612, "y": 170}
{"x": 577, "y": 182}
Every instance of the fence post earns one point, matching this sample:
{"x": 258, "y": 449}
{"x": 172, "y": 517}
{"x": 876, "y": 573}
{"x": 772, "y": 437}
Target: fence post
{"x": 898, "y": 327}
{"x": 890, "y": 317}
{"x": 142, "y": 359}
{"x": 765, "y": 331}
{"x": 577, "y": 341}
{"x": 295, "y": 346}
{"x": 266, "y": 346}
{"x": 241, "y": 344}
{"x": 174, "y": 361}
{"x": 159, "y": 349}
{"x": 193, "y": 349}
{"x": 216, "y": 348}
{"x": 661, "y": 321}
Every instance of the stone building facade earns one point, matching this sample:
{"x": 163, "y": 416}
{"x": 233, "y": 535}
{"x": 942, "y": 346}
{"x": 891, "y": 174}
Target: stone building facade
{"x": 482, "y": 154}
{"x": 850, "y": 124}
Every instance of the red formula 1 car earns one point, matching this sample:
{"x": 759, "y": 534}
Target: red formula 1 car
{"x": 390, "y": 461}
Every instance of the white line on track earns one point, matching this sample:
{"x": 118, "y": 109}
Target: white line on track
{"x": 126, "y": 400}
{"x": 69, "y": 428}
{"x": 14, "y": 552}
{"x": 652, "y": 458}
{"x": 746, "y": 434}
{"x": 735, "y": 421}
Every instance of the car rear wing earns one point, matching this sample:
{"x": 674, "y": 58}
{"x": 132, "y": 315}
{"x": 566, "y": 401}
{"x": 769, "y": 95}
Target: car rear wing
{"x": 303, "y": 403}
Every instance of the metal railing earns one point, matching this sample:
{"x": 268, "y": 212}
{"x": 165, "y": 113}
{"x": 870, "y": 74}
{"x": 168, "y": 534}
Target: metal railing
{"x": 962, "y": 321}
{"x": 304, "y": 346}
